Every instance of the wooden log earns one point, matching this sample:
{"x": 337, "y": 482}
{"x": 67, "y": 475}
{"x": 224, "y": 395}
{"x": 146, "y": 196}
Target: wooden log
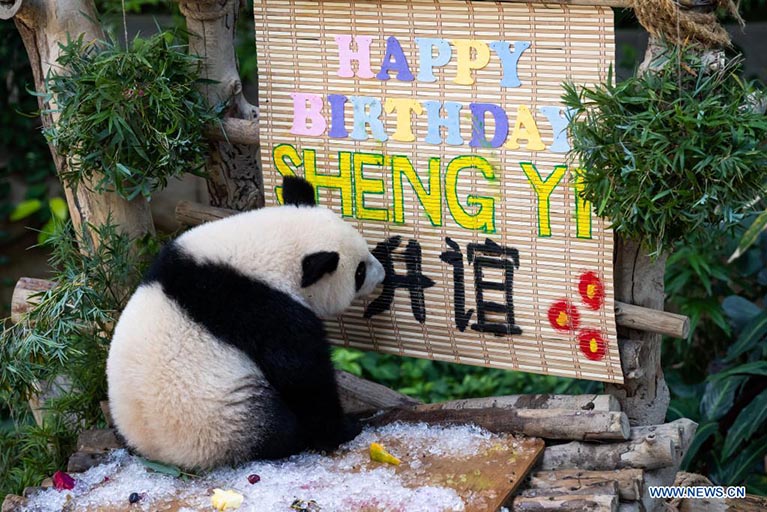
{"x": 595, "y": 488}
{"x": 680, "y": 433}
{"x": 234, "y": 168}
{"x": 651, "y": 320}
{"x": 13, "y": 503}
{"x": 630, "y": 481}
{"x": 567, "y": 503}
{"x": 643, "y": 454}
{"x": 22, "y": 299}
{"x": 545, "y": 423}
{"x": 81, "y": 461}
{"x": 604, "y": 403}
{"x": 193, "y": 214}
{"x": 359, "y": 396}
{"x": 9, "y": 8}
{"x": 98, "y": 440}
{"x": 236, "y": 131}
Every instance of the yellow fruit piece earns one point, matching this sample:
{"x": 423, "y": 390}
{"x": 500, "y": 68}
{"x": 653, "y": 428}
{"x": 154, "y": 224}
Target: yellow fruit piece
{"x": 379, "y": 454}
{"x": 226, "y": 500}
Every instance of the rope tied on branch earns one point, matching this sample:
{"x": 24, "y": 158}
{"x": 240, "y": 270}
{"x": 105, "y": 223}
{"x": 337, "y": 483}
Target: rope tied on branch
{"x": 681, "y": 22}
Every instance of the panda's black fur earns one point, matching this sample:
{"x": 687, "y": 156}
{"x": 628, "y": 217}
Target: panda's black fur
{"x": 287, "y": 403}
{"x": 291, "y": 348}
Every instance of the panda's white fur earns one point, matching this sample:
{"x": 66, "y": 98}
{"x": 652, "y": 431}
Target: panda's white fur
{"x": 268, "y": 244}
{"x": 180, "y": 395}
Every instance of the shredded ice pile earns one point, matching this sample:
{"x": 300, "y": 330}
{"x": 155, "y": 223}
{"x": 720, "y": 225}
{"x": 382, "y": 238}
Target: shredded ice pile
{"x": 347, "y": 481}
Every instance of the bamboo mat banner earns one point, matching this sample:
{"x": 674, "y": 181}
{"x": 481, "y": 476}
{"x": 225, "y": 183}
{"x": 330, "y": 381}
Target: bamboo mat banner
{"x": 436, "y": 128}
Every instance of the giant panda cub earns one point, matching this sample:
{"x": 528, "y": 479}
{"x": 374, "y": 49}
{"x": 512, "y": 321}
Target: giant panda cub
{"x": 221, "y": 355}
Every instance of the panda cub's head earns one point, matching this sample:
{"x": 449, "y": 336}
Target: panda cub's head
{"x": 302, "y": 249}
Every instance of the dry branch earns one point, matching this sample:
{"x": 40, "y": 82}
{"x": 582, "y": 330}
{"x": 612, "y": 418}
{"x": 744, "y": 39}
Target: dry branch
{"x": 607, "y": 487}
{"x": 545, "y": 423}
{"x": 360, "y": 396}
{"x": 236, "y": 131}
{"x": 544, "y": 401}
{"x": 630, "y": 481}
{"x": 567, "y": 503}
{"x": 193, "y": 214}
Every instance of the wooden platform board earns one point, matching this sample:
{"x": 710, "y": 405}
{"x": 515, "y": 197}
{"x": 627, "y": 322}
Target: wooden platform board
{"x": 484, "y": 481}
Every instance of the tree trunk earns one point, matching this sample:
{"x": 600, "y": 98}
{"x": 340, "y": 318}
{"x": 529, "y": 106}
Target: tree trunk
{"x": 234, "y": 169}
{"x": 644, "y": 395}
{"x": 44, "y": 25}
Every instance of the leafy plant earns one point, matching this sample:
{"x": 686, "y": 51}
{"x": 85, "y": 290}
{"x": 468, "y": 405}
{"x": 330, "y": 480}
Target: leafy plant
{"x": 63, "y": 341}
{"x": 670, "y": 155}
{"x": 713, "y": 378}
{"x": 130, "y": 119}
{"x": 734, "y": 408}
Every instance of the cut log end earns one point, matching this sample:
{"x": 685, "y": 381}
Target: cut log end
{"x": 9, "y": 8}
{"x": 652, "y": 320}
{"x": 23, "y": 293}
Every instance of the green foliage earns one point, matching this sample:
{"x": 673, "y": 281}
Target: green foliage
{"x": 719, "y": 375}
{"x": 435, "y": 381}
{"x": 670, "y": 155}
{"x": 64, "y": 340}
{"x": 751, "y": 235}
{"x": 130, "y": 120}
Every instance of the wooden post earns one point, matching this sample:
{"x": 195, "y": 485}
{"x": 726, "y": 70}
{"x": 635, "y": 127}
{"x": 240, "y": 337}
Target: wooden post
{"x": 644, "y": 395}
{"x": 234, "y": 166}
{"x": 44, "y": 25}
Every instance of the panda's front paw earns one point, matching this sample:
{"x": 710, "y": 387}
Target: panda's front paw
{"x": 332, "y": 436}
{"x": 350, "y": 428}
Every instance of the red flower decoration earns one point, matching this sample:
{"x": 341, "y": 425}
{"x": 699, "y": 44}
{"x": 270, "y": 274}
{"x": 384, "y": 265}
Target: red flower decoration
{"x": 592, "y": 290}
{"x": 563, "y": 316}
{"x": 592, "y": 344}
{"x": 62, "y": 481}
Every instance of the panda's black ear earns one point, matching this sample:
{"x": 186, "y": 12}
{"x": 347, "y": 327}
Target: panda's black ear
{"x": 297, "y": 191}
{"x": 316, "y": 265}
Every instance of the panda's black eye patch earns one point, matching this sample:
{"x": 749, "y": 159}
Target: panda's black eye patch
{"x": 359, "y": 275}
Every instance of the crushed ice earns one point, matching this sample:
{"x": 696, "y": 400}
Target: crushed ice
{"x": 345, "y": 482}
